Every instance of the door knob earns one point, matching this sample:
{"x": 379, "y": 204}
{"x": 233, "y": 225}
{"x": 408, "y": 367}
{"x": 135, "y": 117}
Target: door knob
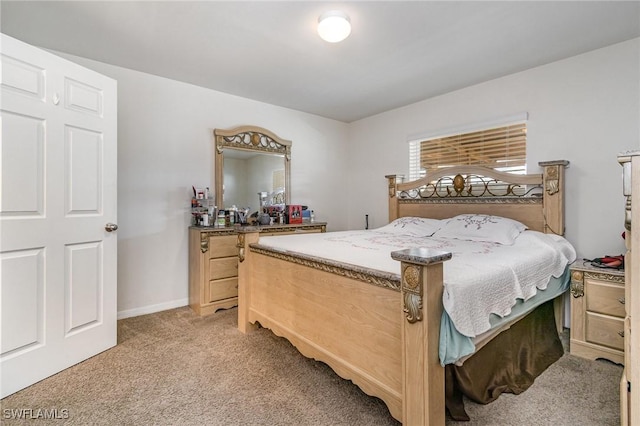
{"x": 110, "y": 227}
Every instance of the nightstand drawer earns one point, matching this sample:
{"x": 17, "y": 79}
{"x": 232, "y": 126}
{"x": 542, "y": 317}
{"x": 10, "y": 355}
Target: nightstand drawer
{"x": 223, "y": 289}
{"x": 223, "y": 246}
{"x": 224, "y": 267}
{"x": 605, "y": 330}
{"x": 605, "y": 298}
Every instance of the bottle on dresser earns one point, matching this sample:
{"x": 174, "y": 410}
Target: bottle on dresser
{"x": 221, "y": 221}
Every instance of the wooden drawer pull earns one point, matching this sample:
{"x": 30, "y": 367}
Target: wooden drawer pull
{"x": 621, "y": 300}
{"x": 621, "y": 333}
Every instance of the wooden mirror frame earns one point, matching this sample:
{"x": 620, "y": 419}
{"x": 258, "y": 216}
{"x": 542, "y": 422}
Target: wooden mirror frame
{"x": 249, "y": 138}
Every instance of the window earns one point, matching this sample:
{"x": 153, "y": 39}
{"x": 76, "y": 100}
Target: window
{"x": 501, "y": 148}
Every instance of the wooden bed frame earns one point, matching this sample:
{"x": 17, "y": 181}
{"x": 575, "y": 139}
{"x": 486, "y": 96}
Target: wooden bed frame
{"x": 381, "y": 330}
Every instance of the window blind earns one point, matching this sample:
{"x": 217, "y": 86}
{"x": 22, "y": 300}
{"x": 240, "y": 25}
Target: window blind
{"x": 501, "y": 148}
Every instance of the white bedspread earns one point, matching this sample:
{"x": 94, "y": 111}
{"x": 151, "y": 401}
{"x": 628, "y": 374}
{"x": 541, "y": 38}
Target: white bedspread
{"x": 481, "y": 278}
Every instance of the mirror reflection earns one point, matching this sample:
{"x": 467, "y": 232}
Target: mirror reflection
{"x": 248, "y": 173}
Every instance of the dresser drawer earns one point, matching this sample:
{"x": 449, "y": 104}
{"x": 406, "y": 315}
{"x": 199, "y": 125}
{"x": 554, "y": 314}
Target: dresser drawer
{"x": 605, "y": 330}
{"x": 223, "y": 267}
{"x": 605, "y": 297}
{"x": 223, "y": 246}
{"x": 223, "y": 289}
{"x": 213, "y": 263}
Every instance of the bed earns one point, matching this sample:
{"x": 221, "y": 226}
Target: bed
{"x": 381, "y": 328}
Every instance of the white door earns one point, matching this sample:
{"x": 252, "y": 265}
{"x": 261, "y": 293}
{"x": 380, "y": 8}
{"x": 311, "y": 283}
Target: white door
{"x": 57, "y": 193}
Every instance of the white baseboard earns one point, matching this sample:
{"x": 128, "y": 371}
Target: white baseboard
{"x": 150, "y": 309}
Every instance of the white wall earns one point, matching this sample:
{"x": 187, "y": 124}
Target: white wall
{"x": 165, "y": 146}
{"x": 585, "y": 109}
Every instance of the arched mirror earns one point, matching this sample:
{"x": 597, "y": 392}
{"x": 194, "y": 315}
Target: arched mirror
{"x": 249, "y": 161}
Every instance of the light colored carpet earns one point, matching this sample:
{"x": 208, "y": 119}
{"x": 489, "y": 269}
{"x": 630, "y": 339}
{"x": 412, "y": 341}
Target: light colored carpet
{"x": 174, "y": 368}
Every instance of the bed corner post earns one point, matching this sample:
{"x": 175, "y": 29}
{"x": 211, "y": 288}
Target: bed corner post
{"x": 553, "y": 183}
{"x": 244, "y": 279}
{"x": 393, "y": 198}
{"x": 553, "y": 208}
{"x": 423, "y": 390}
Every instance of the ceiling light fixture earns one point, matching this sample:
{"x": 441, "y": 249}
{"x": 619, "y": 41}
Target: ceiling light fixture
{"x": 334, "y": 26}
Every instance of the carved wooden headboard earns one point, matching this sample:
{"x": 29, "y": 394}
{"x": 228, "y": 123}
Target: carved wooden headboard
{"x": 537, "y": 200}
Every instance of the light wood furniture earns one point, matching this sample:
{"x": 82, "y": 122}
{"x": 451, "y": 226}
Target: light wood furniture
{"x": 629, "y": 395}
{"x": 597, "y": 312}
{"x": 381, "y": 330}
{"x": 213, "y": 263}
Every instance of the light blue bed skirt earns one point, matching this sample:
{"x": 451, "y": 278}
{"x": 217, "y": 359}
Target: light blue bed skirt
{"x": 454, "y": 345}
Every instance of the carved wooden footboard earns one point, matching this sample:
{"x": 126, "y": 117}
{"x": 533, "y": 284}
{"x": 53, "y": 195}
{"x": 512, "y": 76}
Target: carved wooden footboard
{"x": 377, "y": 329}
{"x": 354, "y": 321}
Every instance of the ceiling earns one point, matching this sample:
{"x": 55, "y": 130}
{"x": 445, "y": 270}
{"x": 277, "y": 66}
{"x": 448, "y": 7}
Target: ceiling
{"x": 399, "y": 52}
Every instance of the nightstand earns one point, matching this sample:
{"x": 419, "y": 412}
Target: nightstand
{"x": 597, "y": 312}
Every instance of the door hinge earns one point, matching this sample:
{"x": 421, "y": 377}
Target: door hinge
{"x": 628, "y": 386}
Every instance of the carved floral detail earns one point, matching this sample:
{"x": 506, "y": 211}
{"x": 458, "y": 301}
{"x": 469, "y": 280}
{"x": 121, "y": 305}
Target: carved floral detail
{"x": 363, "y": 276}
{"x": 204, "y": 242}
{"x": 392, "y": 186}
{"x": 627, "y": 214}
{"x": 412, "y": 292}
{"x": 411, "y": 277}
{"x": 603, "y": 276}
{"x": 412, "y": 307}
{"x": 240, "y": 246}
{"x": 577, "y": 284}
{"x": 552, "y": 184}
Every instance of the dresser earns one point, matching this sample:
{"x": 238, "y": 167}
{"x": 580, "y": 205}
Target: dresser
{"x": 213, "y": 263}
{"x": 597, "y": 312}
{"x": 629, "y": 395}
